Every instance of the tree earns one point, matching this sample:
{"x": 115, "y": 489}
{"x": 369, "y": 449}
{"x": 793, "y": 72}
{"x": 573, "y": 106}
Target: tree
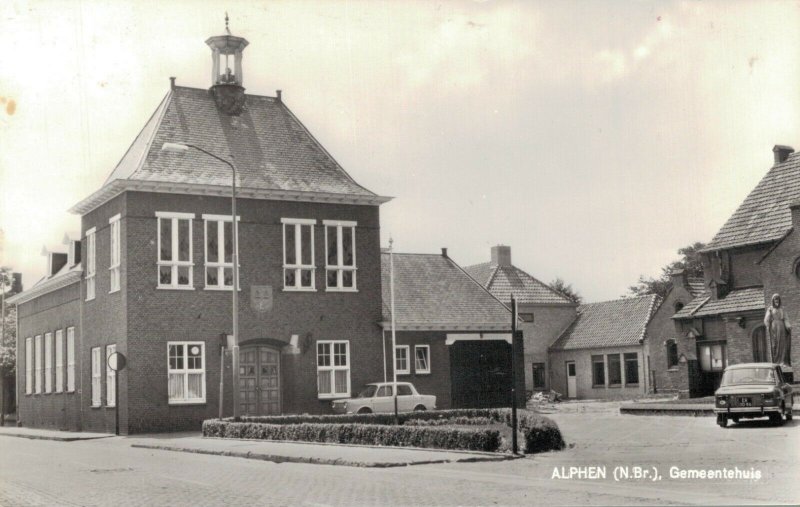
{"x": 566, "y": 290}
{"x": 689, "y": 262}
{"x": 8, "y": 339}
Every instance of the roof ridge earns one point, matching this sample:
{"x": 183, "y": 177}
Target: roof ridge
{"x": 547, "y": 286}
{"x": 619, "y": 299}
{"x": 485, "y": 289}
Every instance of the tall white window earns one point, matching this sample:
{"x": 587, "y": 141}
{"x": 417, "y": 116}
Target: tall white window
{"x": 91, "y": 265}
{"x": 298, "y": 253}
{"x": 186, "y": 371}
{"x": 111, "y": 379}
{"x": 28, "y": 365}
{"x": 401, "y": 359}
{"x": 219, "y": 251}
{"x": 340, "y": 255}
{"x": 38, "y": 363}
{"x": 175, "y": 250}
{"x": 422, "y": 359}
{"x": 333, "y": 369}
{"x": 115, "y": 253}
{"x": 48, "y": 362}
{"x": 96, "y": 377}
{"x": 70, "y": 359}
{"x": 59, "y": 361}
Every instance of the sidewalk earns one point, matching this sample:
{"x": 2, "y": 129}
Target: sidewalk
{"x": 39, "y": 434}
{"x": 305, "y": 452}
{"x": 688, "y": 408}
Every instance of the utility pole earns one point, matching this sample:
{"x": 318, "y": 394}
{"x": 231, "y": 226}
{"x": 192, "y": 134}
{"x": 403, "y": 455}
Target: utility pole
{"x": 394, "y": 337}
{"x": 514, "y": 444}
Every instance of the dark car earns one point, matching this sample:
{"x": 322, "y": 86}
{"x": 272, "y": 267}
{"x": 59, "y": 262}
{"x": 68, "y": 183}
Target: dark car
{"x": 753, "y": 390}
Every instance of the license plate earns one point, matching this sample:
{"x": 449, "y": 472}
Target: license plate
{"x": 745, "y": 402}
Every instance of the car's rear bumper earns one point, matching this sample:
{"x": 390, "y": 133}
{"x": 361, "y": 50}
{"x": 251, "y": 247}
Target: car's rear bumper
{"x": 747, "y": 410}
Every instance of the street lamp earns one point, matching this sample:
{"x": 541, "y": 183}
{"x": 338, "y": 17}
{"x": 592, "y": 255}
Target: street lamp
{"x": 183, "y": 148}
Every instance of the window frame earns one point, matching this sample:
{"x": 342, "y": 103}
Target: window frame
{"x": 37, "y": 364}
{"x": 627, "y": 358}
{"x": 538, "y": 367}
{"x": 618, "y": 358}
{"x": 91, "y": 264}
{"x": 332, "y": 368}
{"x": 340, "y": 268}
{"x": 96, "y": 373}
{"x": 59, "y": 361}
{"x": 407, "y": 350}
{"x": 111, "y": 378}
{"x": 673, "y": 359}
{"x": 598, "y": 360}
{"x": 29, "y": 365}
{"x": 185, "y": 371}
{"x": 115, "y": 254}
{"x": 422, "y": 371}
{"x": 48, "y": 362}
{"x": 70, "y": 384}
{"x": 219, "y": 265}
{"x": 174, "y": 263}
{"x": 298, "y": 267}
{"x": 710, "y": 345}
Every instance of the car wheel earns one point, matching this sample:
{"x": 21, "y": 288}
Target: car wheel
{"x": 735, "y": 420}
{"x": 722, "y": 421}
{"x": 775, "y": 418}
{"x": 364, "y": 410}
{"x": 419, "y": 408}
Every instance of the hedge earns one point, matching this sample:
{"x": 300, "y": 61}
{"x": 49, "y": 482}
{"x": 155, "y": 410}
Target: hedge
{"x": 539, "y": 433}
{"x": 365, "y": 434}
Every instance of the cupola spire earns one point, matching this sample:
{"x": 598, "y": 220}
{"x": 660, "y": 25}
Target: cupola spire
{"x": 226, "y": 70}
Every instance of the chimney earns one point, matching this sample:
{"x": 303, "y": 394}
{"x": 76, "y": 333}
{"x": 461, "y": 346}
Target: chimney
{"x": 678, "y": 277}
{"x": 444, "y": 252}
{"x": 278, "y": 95}
{"x": 501, "y": 256}
{"x": 55, "y": 261}
{"x": 172, "y": 83}
{"x": 16, "y": 283}
{"x": 782, "y": 153}
{"x": 74, "y": 253}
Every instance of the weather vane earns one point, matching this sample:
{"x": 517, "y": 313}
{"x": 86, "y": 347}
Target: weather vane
{"x": 226, "y": 23}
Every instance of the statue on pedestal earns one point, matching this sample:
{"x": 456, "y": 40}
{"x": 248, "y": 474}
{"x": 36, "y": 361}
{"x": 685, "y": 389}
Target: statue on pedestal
{"x": 779, "y": 331}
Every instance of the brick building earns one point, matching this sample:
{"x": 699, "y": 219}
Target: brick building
{"x": 453, "y": 336}
{"x": 545, "y": 312}
{"x": 753, "y": 256}
{"x": 601, "y": 355}
{"x": 155, "y": 276}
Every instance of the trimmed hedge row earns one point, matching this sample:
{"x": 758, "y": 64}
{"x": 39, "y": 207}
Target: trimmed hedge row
{"x": 355, "y": 433}
{"x": 539, "y": 432}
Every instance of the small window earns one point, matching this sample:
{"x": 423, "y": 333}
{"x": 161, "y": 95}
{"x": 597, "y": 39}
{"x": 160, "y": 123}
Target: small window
{"x": 91, "y": 264}
{"x": 219, "y": 251}
{"x": 186, "y": 372}
{"x": 70, "y": 359}
{"x": 422, "y": 358}
{"x": 96, "y": 377}
{"x": 59, "y": 353}
{"x": 175, "y": 262}
{"x": 614, "y": 370}
{"x": 678, "y": 306}
{"x": 598, "y": 371}
{"x": 340, "y": 255}
{"x": 111, "y": 378}
{"x": 526, "y": 317}
{"x": 333, "y": 369}
{"x": 298, "y": 254}
{"x": 672, "y": 354}
{"x": 538, "y": 375}
{"x": 401, "y": 359}
{"x": 631, "y": 368}
{"x": 115, "y": 253}
{"x": 404, "y": 390}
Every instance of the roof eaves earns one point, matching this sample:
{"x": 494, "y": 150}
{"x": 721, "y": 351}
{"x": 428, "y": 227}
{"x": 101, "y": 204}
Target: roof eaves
{"x": 47, "y": 286}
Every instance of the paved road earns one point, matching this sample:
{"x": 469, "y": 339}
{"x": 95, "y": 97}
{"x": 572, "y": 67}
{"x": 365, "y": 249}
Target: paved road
{"x": 109, "y": 471}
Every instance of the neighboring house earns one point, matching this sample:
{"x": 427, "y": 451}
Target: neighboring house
{"x": 754, "y": 255}
{"x": 453, "y": 337}
{"x": 670, "y": 358}
{"x": 155, "y": 276}
{"x": 601, "y": 355}
{"x": 545, "y": 313}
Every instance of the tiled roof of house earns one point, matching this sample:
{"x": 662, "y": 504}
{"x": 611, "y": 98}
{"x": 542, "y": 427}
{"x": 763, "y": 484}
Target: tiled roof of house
{"x": 433, "y": 292}
{"x": 741, "y": 300}
{"x": 697, "y": 286}
{"x": 503, "y": 281}
{"x": 618, "y": 323}
{"x": 67, "y": 275}
{"x": 764, "y": 215}
{"x": 271, "y": 148}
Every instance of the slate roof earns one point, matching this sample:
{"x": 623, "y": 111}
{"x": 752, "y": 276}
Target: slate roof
{"x": 433, "y": 292}
{"x": 503, "y": 281}
{"x": 764, "y": 215}
{"x": 618, "y": 323}
{"x": 271, "y": 148}
{"x": 741, "y": 300}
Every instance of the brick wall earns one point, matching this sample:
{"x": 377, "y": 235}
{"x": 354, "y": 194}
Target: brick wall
{"x": 780, "y": 276}
{"x": 583, "y": 370}
{"x": 662, "y": 328}
{"x": 47, "y": 314}
{"x": 549, "y": 322}
{"x": 156, "y": 316}
{"x": 437, "y": 382}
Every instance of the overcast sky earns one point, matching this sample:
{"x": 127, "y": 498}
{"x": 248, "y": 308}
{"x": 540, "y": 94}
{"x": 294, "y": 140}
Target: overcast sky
{"x": 595, "y": 138}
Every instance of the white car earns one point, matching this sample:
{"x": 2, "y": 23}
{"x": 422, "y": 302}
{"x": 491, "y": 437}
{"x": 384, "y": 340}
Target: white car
{"x": 378, "y": 397}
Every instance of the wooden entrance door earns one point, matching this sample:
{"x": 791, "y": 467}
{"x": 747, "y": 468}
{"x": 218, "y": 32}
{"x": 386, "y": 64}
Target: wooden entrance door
{"x": 259, "y": 381}
{"x": 572, "y": 381}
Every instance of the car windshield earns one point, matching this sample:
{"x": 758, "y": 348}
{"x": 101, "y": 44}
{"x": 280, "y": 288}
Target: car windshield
{"x": 748, "y": 376}
{"x": 367, "y": 391}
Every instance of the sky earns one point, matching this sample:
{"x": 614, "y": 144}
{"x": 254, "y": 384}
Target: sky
{"x": 594, "y": 137}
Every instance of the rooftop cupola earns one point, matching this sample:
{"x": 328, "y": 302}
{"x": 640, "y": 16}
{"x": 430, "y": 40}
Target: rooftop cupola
{"x": 226, "y": 70}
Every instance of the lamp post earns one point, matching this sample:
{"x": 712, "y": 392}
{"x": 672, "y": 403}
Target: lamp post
{"x": 394, "y": 336}
{"x": 183, "y": 148}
